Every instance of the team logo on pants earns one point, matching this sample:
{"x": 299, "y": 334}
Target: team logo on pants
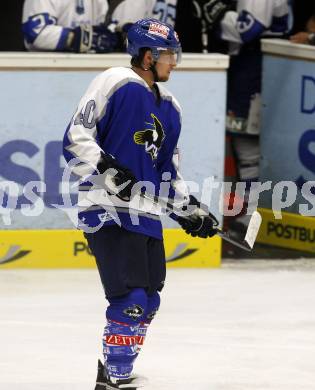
{"x": 151, "y": 138}
{"x": 135, "y": 312}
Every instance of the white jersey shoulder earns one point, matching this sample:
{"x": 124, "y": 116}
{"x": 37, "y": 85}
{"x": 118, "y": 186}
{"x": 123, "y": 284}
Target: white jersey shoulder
{"x": 112, "y": 79}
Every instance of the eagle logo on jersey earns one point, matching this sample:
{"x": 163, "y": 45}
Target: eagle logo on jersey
{"x": 151, "y": 138}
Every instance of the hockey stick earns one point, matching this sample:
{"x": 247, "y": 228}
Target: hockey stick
{"x": 251, "y": 233}
{"x": 252, "y": 230}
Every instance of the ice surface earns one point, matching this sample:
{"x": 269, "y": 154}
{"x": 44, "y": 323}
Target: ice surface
{"x": 247, "y": 326}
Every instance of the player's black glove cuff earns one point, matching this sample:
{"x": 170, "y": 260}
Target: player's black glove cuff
{"x": 212, "y": 11}
{"x": 200, "y": 223}
{"x": 122, "y": 177}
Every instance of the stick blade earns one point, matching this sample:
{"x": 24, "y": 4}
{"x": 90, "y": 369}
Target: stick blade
{"x": 253, "y": 229}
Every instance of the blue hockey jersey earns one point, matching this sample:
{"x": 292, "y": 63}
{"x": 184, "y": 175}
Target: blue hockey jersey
{"x": 120, "y": 115}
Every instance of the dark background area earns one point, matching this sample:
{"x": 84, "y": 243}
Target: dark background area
{"x": 302, "y": 11}
{"x": 11, "y": 38}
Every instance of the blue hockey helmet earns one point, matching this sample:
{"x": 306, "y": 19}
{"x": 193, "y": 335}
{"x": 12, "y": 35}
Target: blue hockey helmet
{"x": 155, "y": 35}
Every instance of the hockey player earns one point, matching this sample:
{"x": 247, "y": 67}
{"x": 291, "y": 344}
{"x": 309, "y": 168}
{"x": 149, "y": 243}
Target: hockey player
{"x": 123, "y": 135}
{"x": 87, "y": 25}
{"x": 242, "y": 29}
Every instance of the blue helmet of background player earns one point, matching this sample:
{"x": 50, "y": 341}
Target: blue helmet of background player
{"x": 156, "y": 36}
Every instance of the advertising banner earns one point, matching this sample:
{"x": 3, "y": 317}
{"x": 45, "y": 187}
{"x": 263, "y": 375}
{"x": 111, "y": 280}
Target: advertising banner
{"x": 288, "y": 132}
{"x": 69, "y": 249}
{"x": 292, "y": 231}
{"x": 287, "y": 168}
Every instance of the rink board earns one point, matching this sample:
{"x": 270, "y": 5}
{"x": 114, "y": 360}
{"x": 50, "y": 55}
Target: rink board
{"x": 68, "y": 249}
{"x": 293, "y": 231}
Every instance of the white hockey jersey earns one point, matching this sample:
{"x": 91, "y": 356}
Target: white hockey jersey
{"x": 129, "y": 11}
{"x": 47, "y": 23}
{"x": 256, "y": 18}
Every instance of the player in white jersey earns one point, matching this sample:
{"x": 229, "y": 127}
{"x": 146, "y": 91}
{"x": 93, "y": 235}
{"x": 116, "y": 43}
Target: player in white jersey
{"x": 242, "y": 25}
{"x": 87, "y": 25}
{"x": 72, "y": 25}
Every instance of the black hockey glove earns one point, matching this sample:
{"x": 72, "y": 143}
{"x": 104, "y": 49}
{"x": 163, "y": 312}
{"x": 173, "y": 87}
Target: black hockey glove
{"x": 104, "y": 41}
{"x": 122, "y": 177}
{"x": 95, "y": 38}
{"x": 212, "y": 11}
{"x": 200, "y": 223}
